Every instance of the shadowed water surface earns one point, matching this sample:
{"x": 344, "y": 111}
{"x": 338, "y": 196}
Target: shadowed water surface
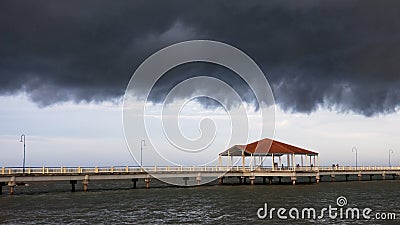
{"x": 218, "y": 204}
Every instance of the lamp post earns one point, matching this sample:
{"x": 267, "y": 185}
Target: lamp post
{"x": 142, "y": 143}
{"x": 354, "y": 149}
{"x": 390, "y": 151}
{"x": 23, "y": 162}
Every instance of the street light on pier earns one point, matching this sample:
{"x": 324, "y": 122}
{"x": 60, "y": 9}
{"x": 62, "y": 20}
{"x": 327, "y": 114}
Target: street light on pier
{"x": 142, "y": 143}
{"x": 390, "y": 152}
{"x": 23, "y": 162}
{"x": 354, "y": 149}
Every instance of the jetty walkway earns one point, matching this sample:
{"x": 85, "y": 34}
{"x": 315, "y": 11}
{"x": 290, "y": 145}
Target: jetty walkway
{"x": 12, "y": 177}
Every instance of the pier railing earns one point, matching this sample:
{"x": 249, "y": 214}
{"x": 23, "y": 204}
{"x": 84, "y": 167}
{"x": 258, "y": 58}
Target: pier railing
{"x": 155, "y": 169}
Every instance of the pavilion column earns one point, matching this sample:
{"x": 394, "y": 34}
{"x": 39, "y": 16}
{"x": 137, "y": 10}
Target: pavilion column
{"x": 280, "y": 161}
{"x": 314, "y": 161}
{"x": 306, "y": 162}
{"x": 310, "y": 160}
{"x": 273, "y": 162}
{"x": 251, "y": 161}
{"x": 293, "y": 161}
{"x": 301, "y": 157}
{"x": 229, "y": 159}
{"x": 318, "y": 160}
{"x": 262, "y": 161}
{"x": 219, "y": 160}
{"x": 243, "y": 160}
{"x": 288, "y": 160}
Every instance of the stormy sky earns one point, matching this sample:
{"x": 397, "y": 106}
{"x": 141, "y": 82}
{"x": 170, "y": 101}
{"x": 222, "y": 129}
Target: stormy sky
{"x": 340, "y": 55}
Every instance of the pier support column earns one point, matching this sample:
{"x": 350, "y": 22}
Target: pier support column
{"x": 264, "y": 180}
{"x": 383, "y": 176}
{"x": 1, "y": 187}
{"x": 309, "y": 179}
{"x": 73, "y": 182}
{"x": 198, "y": 179}
{"x": 12, "y": 190}
{"x": 252, "y": 179}
{"x": 317, "y": 178}
{"x": 347, "y": 177}
{"x": 240, "y": 180}
{"x": 359, "y": 177}
{"x": 370, "y": 176}
{"x": 270, "y": 180}
{"x": 279, "y": 180}
{"x": 394, "y": 176}
{"x": 85, "y": 183}
{"x": 185, "y": 179}
{"x": 12, "y": 183}
{"x": 147, "y": 181}
{"x": 293, "y": 178}
{"x": 333, "y": 177}
{"x": 221, "y": 180}
{"x": 134, "y": 180}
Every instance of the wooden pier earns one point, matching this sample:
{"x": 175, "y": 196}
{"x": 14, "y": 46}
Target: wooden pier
{"x": 11, "y": 177}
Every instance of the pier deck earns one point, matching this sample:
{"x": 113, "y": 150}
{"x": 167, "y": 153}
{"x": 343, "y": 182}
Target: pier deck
{"x": 12, "y": 176}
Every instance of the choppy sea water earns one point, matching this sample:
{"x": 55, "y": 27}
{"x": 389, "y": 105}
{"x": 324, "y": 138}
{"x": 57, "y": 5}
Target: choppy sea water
{"x": 118, "y": 203}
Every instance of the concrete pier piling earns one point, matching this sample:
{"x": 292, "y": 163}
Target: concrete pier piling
{"x": 293, "y": 179}
{"x": 134, "y": 180}
{"x": 147, "y": 181}
{"x": 198, "y": 178}
{"x": 85, "y": 183}
{"x": 73, "y": 183}
{"x": 185, "y": 179}
{"x": 1, "y": 187}
{"x": 12, "y": 183}
{"x": 252, "y": 180}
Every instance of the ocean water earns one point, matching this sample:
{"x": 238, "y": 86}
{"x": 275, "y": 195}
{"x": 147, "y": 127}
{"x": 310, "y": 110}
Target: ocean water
{"x": 117, "y": 203}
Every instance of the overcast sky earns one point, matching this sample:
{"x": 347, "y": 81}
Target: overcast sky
{"x": 64, "y": 66}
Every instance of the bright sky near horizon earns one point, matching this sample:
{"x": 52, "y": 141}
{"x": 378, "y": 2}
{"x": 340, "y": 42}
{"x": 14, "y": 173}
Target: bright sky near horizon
{"x": 71, "y": 134}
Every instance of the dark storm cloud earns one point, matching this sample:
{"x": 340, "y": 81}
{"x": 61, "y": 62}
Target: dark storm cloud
{"x": 341, "y": 55}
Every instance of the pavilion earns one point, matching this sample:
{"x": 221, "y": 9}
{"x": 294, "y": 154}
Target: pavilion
{"x": 265, "y": 148}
